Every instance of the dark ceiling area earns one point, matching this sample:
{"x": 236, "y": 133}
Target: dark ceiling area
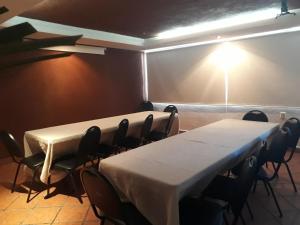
{"x": 142, "y": 18}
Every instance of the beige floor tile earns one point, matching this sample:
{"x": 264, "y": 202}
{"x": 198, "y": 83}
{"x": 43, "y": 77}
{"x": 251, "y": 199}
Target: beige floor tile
{"x": 42, "y": 215}
{"x": 7, "y": 199}
{"x": 57, "y": 200}
{"x": 71, "y": 223}
{"x": 71, "y": 214}
{"x": 74, "y": 202}
{"x": 12, "y": 217}
{"x": 21, "y": 201}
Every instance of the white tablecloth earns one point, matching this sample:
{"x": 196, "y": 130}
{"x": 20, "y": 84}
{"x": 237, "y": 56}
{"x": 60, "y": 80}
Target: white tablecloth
{"x": 155, "y": 177}
{"x": 61, "y": 140}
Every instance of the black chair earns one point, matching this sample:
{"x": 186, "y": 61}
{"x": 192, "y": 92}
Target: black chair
{"x": 256, "y": 115}
{"x": 234, "y": 191}
{"x": 133, "y": 142}
{"x": 171, "y": 108}
{"x": 69, "y": 163}
{"x": 275, "y": 154}
{"x": 99, "y": 152}
{"x": 159, "y": 135}
{"x": 34, "y": 162}
{"x": 118, "y": 142}
{"x": 200, "y": 212}
{"x": 106, "y": 203}
{"x": 294, "y": 125}
{"x": 146, "y": 106}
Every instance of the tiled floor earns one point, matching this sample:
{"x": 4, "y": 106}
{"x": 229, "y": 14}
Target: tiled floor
{"x": 62, "y": 209}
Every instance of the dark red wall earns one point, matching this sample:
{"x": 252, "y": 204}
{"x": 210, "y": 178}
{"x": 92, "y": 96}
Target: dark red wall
{"x": 72, "y": 89}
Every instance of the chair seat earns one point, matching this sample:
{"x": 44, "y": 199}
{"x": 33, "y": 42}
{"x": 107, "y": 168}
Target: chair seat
{"x": 156, "y": 135}
{"x": 132, "y": 142}
{"x": 133, "y": 216}
{"x": 221, "y": 188}
{"x": 69, "y": 162}
{"x": 262, "y": 175}
{"x": 34, "y": 161}
{"x": 200, "y": 212}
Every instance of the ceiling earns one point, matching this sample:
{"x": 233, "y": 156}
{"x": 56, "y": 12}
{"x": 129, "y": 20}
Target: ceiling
{"x": 142, "y": 18}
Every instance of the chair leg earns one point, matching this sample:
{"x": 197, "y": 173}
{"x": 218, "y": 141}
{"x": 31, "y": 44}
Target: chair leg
{"x": 48, "y": 185}
{"x": 75, "y": 187}
{"x": 275, "y": 199}
{"x": 274, "y": 167}
{"x": 15, "y": 179}
{"x": 242, "y": 219}
{"x": 249, "y": 210}
{"x": 254, "y": 186}
{"x": 235, "y": 221}
{"x": 290, "y": 175}
{"x": 225, "y": 219}
{"x": 266, "y": 187}
{"x": 32, "y": 182}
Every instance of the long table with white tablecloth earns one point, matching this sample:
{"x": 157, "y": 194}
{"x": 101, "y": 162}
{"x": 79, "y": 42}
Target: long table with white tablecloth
{"x": 156, "y": 176}
{"x": 61, "y": 140}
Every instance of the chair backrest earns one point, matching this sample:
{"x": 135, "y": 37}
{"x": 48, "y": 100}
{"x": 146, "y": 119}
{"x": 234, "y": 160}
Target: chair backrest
{"x": 11, "y": 145}
{"x": 278, "y": 145}
{"x": 170, "y": 123}
{"x": 121, "y": 133}
{"x": 101, "y": 194}
{"x": 256, "y": 115}
{"x": 146, "y": 106}
{"x": 171, "y": 108}
{"x": 244, "y": 183}
{"x": 146, "y": 129}
{"x": 89, "y": 142}
{"x": 294, "y": 125}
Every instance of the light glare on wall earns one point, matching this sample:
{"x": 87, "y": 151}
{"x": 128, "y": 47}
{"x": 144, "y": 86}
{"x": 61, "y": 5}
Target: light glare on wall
{"x": 239, "y": 19}
{"x": 227, "y": 56}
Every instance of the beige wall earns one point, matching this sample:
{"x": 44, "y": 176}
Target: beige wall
{"x": 267, "y": 75}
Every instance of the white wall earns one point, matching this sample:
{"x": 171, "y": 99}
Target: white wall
{"x": 267, "y": 78}
{"x": 269, "y": 73}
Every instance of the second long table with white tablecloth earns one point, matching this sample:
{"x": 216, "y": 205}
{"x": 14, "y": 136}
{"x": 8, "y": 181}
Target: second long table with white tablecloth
{"x": 156, "y": 176}
{"x": 62, "y": 140}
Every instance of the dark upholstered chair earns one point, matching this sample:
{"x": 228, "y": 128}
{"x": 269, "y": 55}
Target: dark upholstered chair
{"x": 33, "y": 162}
{"x": 159, "y": 135}
{"x": 274, "y": 154}
{"x": 118, "y": 142}
{"x": 256, "y": 115}
{"x": 133, "y": 142}
{"x": 171, "y": 108}
{"x": 234, "y": 190}
{"x": 200, "y": 212}
{"x": 294, "y": 125}
{"x": 146, "y": 106}
{"x": 106, "y": 203}
{"x": 69, "y": 163}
